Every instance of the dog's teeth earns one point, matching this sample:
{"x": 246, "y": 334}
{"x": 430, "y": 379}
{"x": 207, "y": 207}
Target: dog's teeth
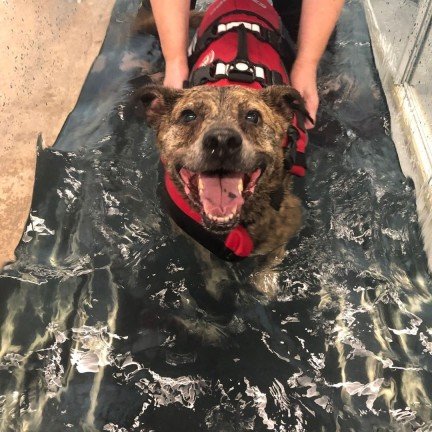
{"x": 240, "y": 186}
{"x": 200, "y": 185}
{"x": 221, "y": 219}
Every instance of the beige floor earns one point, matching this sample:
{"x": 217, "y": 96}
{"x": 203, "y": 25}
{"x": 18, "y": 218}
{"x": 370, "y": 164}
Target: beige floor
{"x": 46, "y": 50}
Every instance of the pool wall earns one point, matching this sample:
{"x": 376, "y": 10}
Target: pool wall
{"x": 402, "y": 44}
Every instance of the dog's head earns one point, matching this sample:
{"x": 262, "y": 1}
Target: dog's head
{"x": 222, "y": 146}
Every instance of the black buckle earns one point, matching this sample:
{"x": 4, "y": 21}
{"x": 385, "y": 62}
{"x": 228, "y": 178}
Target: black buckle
{"x": 273, "y": 77}
{"x": 293, "y": 135}
{"x": 207, "y": 73}
{"x": 271, "y": 37}
{"x": 300, "y": 159}
{"x": 293, "y": 157}
{"x": 235, "y": 74}
{"x": 290, "y": 157}
{"x": 201, "y": 76}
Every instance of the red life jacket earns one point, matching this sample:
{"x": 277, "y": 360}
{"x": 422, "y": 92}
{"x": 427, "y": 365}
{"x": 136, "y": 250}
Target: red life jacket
{"x": 237, "y": 43}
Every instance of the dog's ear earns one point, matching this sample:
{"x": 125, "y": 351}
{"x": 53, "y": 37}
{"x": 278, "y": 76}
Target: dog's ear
{"x": 286, "y": 100}
{"x": 156, "y": 102}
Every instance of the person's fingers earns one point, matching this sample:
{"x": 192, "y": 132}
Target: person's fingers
{"x": 312, "y": 103}
{"x": 308, "y": 123}
{"x": 303, "y": 79}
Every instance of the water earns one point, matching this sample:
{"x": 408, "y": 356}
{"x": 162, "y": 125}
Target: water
{"x": 91, "y": 312}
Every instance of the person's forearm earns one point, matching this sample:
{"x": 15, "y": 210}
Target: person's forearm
{"x": 317, "y": 22}
{"x": 318, "y": 19}
{"x": 172, "y": 21}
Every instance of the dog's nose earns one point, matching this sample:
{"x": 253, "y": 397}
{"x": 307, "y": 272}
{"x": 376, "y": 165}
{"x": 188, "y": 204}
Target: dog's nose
{"x": 222, "y": 142}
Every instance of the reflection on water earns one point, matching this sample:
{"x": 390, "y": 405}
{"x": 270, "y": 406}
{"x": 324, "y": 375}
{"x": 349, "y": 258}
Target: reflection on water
{"x": 105, "y": 324}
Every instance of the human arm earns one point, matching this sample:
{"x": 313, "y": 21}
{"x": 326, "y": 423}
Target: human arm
{"x": 317, "y": 22}
{"x": 172, "y": 21}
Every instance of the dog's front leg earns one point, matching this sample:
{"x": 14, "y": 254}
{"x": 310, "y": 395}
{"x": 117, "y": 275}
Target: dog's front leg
{"x": 219, "y": 279}
{"x": 266, "y": 279}
{"x": 207, "y": 308}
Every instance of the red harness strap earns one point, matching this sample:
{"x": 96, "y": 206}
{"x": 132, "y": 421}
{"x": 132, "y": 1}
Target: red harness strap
{"x": 295, "y": 144}
{"x": 236, "y": 44}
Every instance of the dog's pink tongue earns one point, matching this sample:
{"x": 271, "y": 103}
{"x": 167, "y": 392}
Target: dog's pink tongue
{"x": 221, "y": 195}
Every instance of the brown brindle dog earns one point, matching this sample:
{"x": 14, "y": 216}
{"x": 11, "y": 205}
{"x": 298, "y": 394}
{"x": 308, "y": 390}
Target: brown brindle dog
{"x": 235, "y": 133}
{"x": 223, "y": 153}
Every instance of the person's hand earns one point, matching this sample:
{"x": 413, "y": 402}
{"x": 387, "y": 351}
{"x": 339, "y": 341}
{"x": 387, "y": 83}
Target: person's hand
{"x": 303, "y": 79}
{"x": 176, "y": 72}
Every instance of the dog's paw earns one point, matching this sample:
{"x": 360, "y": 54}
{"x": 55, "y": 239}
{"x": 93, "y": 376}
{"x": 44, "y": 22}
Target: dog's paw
{"x": 200, "y": 330}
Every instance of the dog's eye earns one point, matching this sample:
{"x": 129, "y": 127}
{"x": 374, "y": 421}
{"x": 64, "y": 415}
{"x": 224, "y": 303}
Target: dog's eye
{"x": 253, "y": 116}
{"x": 187, "y": 116}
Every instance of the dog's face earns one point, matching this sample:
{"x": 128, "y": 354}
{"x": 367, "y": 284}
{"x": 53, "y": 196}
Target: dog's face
{"x": 221, "y": 145}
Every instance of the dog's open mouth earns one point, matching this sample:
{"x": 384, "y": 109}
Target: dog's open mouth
{"x": 219, "y": 195}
